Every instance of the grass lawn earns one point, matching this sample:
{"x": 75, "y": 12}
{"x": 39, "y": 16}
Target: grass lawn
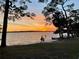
{"x": 55, "y": 50}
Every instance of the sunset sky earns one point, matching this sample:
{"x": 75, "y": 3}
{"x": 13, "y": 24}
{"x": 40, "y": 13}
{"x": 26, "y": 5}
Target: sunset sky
{"x": 38, "y": 24}
{"x": 27, "y": 24}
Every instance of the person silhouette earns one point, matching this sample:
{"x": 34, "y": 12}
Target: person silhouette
{"x": 42, "y": 39}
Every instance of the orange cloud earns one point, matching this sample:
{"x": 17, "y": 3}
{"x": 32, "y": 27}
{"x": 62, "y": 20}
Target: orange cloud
{"x": 13, "y": 27}
{"x": 27, "y": 24}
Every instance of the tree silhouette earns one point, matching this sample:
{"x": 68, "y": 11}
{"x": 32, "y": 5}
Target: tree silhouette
{"x": 74, "y": 15}
{"x": 3, "y": 42}
{"x": 12, "y": 12}
{"x": 61, "y": 18}
{"x": 58, "y": 17}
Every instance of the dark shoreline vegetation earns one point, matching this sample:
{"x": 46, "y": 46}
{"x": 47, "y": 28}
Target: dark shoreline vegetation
{"x": 26, "y": 31}
{"x": 67, "y": 49}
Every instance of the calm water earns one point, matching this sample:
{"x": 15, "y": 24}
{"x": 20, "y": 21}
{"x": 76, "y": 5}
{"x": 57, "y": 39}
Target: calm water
{"x": 21, "y": 38}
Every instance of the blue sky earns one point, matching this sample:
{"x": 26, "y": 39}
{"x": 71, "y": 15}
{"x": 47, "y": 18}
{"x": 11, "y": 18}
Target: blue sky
{"x": 38, "y": 7}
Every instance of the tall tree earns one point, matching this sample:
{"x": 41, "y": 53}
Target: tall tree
{"x": 52, "y": 7}
{"x": 58, "y": 17}
{"x": 3, "y": 43}
{"x": 13, "y": 12}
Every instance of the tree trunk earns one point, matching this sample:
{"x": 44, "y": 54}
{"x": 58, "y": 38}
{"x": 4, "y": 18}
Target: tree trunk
{"x": 60, "y": 33}
{"x": 64, "y": 11}
{"x": 68, "y": 33}
{"x": 66, "y": 19}
{"x": 4, "y": 31}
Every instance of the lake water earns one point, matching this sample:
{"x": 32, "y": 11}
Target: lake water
{"x": 23, "y": 38}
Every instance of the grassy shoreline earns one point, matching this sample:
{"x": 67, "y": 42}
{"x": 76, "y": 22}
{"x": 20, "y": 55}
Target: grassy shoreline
{"x": 55, "y": 50}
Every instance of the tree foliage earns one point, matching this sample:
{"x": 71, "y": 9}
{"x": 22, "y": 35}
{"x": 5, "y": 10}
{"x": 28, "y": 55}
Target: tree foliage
{"x": 62, "y": 18}
{"x": 17, "y": 9}
{"x": 13, "y": 9}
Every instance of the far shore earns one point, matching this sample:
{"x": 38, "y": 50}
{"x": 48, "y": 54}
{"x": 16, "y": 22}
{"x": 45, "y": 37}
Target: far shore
{"x": 26, "y": 31}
